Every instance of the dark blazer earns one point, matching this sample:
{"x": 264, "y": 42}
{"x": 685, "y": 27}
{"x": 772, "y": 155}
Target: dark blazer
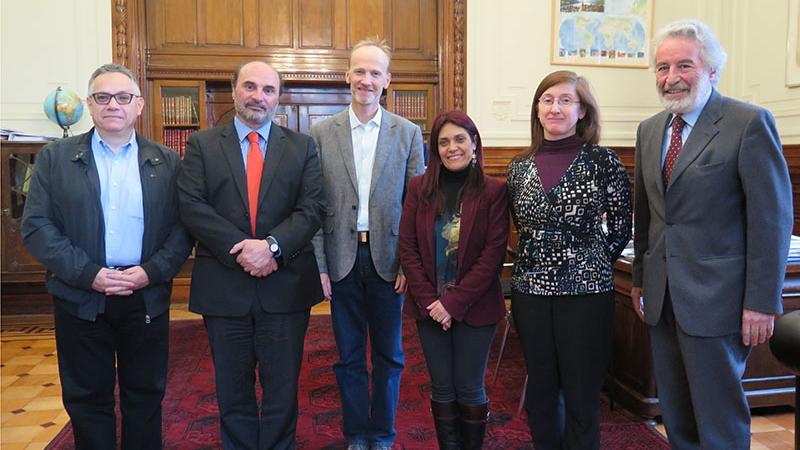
{"x": 63, "y": 227}
{"x": 477, "y": 297}
{"x": 212, "y": 188}
{"x": 718, "y": 235}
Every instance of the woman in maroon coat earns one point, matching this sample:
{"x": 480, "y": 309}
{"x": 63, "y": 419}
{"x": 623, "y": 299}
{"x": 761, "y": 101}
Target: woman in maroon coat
{"x": 453, "y": 235}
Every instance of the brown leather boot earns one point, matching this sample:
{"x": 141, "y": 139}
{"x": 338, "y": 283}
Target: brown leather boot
{"x": 445, "y": 418}
{"x": 473, "y": 425}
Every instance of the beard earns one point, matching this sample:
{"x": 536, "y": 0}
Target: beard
{"x": 689, "y": 102}
{"x": 254, "y": 117}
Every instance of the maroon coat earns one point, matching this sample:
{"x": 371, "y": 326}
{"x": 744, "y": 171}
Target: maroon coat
{"x": 477, "y": 297}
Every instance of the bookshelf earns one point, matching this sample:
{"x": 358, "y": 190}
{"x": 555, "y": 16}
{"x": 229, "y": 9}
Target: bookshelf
{"x": 180, "y": 109}
{"x": 414, "y": 102}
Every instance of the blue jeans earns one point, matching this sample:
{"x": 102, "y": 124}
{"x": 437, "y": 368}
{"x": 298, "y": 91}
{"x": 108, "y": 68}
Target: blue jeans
{"x": 363, "y": 304}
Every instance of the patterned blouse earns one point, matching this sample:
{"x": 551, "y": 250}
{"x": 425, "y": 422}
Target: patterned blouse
{"x": 565, "y": 247}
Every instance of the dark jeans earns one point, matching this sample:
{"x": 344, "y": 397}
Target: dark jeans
{"x": 456, "y": 360}
{"x": 363, "y": 304}
{"x": 274, "y": 344}
{"x": 566, "y": 341}
{"x": 121, "y": 341}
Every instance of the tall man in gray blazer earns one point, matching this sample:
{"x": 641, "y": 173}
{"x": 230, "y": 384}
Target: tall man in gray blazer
{"x": 368, "y": 156}
{"x": 713, "y": 218}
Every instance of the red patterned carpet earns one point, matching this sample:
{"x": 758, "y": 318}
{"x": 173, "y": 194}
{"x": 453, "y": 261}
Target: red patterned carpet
{"x": 190, "y": 408}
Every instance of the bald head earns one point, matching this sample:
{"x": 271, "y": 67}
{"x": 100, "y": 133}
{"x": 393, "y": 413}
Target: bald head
{"x": 256, "y": 88}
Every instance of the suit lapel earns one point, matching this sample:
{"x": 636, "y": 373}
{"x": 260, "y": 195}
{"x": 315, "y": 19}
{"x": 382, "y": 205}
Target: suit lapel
{"x": 703, "y": 132}
{"x": 383, "y": 148}
{"x": 344, "y": 138}
{"x": 276, "y": 147}
{"x": 231, "y": 148}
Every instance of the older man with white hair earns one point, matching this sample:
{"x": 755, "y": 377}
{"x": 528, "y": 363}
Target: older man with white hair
{"x": 713, "y": 221}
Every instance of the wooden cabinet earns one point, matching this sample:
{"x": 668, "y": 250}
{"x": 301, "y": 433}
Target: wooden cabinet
{"x": 210, "y": 34}
{"x": 17, "y": 165}
{"x": 631, "y": 380}
{"x": 179, "y": 108}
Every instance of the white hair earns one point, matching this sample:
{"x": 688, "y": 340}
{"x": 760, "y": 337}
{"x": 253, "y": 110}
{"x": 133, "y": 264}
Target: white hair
{"x": 712, "y": 54}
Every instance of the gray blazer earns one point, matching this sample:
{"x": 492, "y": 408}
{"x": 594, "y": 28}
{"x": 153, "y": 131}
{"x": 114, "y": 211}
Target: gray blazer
{"x": 398, "y": 157}
{"x": 718, "y": 235}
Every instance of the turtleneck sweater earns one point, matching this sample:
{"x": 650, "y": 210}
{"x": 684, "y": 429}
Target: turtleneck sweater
{"x": 554, "y": 158}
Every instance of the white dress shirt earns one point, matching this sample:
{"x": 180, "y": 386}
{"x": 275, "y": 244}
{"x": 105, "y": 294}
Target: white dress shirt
{"x": 365, "y": 140}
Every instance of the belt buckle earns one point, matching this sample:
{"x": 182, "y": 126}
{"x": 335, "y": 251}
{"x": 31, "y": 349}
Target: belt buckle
{"x": 363, "y": 237}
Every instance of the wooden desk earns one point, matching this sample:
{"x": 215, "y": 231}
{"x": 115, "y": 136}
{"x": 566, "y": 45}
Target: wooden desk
{"x": 631, "y": 382}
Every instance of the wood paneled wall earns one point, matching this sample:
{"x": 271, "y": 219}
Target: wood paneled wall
{"x": 296, "y": 35}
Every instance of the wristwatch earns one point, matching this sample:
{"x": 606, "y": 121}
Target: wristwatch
{"x": 273, "y": 246}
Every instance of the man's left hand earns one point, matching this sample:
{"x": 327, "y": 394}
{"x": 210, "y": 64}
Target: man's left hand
{"x": 138, "y": 276}
{"x": 254, "y": 257}
{"x": 400, "y": 284}
{"x": 757, "y": 327}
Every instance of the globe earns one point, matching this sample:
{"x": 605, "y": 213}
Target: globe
{"x": 64, "y": 108}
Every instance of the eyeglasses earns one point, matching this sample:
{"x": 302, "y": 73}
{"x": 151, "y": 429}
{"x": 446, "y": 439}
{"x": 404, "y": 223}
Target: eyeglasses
{"x": 564, "y": 102}
{"x": 104, "y": 98}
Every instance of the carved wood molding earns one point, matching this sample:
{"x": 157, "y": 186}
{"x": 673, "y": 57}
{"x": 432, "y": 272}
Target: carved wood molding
{"x": 452, "y": 56}
{"x": 460, "y": 56}
{"x": 120, "y": 25}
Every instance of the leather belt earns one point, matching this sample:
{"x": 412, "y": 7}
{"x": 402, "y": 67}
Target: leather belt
{"x": 363, "y": 237}
{"x": 120, "y": 268}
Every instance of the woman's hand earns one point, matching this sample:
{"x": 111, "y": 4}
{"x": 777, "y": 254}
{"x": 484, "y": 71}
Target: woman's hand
{"x": 438, "y": 313}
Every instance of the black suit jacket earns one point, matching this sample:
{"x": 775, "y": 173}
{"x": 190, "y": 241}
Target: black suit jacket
{"x": 62, "y": 225}
{"x": 212, "y": 188}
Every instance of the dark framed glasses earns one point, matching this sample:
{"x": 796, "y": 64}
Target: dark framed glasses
{"x": 104, "y": 98}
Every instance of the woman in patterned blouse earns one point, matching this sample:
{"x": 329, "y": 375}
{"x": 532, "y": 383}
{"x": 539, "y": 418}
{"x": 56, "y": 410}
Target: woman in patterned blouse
{"x": 571, "y": 204}
{"x": 453, "y": 235}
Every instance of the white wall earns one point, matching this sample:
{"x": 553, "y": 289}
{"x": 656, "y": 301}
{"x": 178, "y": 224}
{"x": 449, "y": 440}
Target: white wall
{"x": 38, "y": 53}
{"x": 508, "y": 45}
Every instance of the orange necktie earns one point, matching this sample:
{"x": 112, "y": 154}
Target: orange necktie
{"x": 255, "y": 164}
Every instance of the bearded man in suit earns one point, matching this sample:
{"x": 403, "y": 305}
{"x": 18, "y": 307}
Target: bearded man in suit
{"x": 251, "y": 193}
{"x": 713, "y": 222}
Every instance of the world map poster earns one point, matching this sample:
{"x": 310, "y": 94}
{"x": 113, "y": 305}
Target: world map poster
{"x": 602, "y": 32}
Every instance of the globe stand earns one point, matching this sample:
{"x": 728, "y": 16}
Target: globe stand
{"x": 64, "y": 128}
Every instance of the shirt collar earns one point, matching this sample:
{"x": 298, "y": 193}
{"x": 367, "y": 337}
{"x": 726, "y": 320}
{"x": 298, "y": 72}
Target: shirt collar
{"x": 243, "y": 130}
{"x": 691, "y": 117}
{"x": 354, "y": 122}
{"x": 125, "y": 150}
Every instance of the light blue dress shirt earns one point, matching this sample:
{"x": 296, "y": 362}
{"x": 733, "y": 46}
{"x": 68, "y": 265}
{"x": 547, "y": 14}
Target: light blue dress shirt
{"x": 121, "y": 199}
{"x": 690, "y": 118}
{"x": 243, "y": 130}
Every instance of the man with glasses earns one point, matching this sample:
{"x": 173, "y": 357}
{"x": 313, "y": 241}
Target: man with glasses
{"x": 101, "y": 215}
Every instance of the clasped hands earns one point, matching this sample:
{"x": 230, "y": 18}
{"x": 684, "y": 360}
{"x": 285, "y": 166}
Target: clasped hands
{"x": 255, "y": 257}
{"x": 438, "y": 313}
{"x": 120, "y": 282}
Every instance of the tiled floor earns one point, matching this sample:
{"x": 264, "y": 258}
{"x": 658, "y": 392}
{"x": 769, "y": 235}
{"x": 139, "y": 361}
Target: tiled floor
{"x": 32, "y": 414}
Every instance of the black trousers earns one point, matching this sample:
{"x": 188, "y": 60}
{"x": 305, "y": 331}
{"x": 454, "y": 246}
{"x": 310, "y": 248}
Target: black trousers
{"x": 272, "y": 343}
{"x": 456, "y": 360}
{"x": 120, "y": 342}
{"x": 566, "y": 341}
